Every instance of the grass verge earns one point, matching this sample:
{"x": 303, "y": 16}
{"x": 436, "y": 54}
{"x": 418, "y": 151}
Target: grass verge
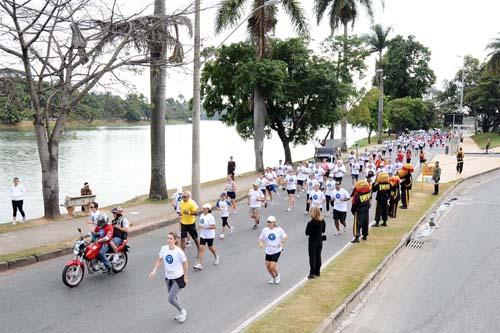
{"x": 307, "y": 307}
{"x": 35, "y": 251}
{"x": 364, "y": 142}
{"x": 482, "y": 138}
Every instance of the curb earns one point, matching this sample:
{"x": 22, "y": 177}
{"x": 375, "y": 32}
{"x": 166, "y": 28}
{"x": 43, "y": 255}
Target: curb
{"x": 30, "y": 260}
{"x": 329, "y": 324}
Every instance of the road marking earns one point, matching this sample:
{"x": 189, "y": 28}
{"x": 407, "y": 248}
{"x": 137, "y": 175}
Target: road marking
{"x": 275, "y": 302}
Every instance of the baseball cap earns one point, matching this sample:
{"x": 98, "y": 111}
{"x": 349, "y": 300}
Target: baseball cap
{"x": 207, "y": 206}
{"x": 271, "y": 219}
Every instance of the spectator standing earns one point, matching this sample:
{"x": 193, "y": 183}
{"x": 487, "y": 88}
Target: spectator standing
{"x": 231, "y": 167}
{"x": 436, "y": 176}
{"x": 85, "y": 190}
{"x": 17, "y": 192}
{"x": 488, "y": 146}
{"x": 460, "y": 161}
{"x": 315, "y": 229}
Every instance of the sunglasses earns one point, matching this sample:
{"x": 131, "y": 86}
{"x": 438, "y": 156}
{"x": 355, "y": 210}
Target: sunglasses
{"x": 184, "y": 197}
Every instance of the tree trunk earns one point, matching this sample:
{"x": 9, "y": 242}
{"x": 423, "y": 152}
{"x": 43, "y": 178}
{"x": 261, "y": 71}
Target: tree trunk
{"x": 259, "y": 121}
{"x": 285, "y": 141}
{"x": 370, "y": 136}
{"x": 157, "y": 77}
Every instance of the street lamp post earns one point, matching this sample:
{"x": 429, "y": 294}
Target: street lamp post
{"x": 380, "y": 72}
{"x": 195, "y": 162}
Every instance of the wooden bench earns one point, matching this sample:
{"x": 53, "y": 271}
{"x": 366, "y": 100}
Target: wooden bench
{"x": 71, "y": 202}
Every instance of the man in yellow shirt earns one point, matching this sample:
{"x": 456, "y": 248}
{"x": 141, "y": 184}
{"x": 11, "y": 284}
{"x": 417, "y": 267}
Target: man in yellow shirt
{"x": 188, "y": 212}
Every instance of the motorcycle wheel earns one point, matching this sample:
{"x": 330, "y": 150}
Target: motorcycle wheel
{"x": 122, "y": 262}
{"x": 72, "y": 275}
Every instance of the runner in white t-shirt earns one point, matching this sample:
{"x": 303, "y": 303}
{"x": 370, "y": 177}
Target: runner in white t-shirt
{"x": 291, "y": 187}
{"x": 340, "y": 198}
{"x": 223, "y": 205}
{"x": 206, "y": 223}
{"x": 317, "y": 197}
{"x": 272, "y": 238}
{"x": 319, "y": 173}
{"x": 329, "y": 187}
{"x": 176, "y": 272}
{"x": 255, "y": 200}
{"x": 310, "y": 187}
{"x": 302, "y": 174}
{"x": 355, "y": 169}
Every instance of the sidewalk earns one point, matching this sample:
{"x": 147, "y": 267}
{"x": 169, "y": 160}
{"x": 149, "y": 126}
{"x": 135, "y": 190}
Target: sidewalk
{"x": 473, "y": 164}
{"x": 142, "y": 217}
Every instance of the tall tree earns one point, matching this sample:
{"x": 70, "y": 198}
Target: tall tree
{"x": 61, "y": 62}
{"x": 378, "y": 41}
{"x": 262, "y": 20}
{"x": 341, "y": 12}
{"x": 302, "y": 89}
{"x": 407, "y": 71}
{"x": 494, "y": 56}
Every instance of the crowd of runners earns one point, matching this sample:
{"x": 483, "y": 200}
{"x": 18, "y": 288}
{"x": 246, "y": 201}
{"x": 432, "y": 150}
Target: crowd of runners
{"x": 328, "y": 187}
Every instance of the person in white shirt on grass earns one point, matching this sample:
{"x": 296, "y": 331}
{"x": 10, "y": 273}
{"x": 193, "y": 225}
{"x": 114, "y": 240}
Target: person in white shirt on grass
{"x": 340, "y": 198}
{"x": 255, "y": 200}
{"x": 273, "y": 239}
{"x": 176, "y": 272}
{"x": 317, "y": 197}
{"x": 291, "y": 187}
{"x": 206, "y": 223}
{"x": 17, "y": 192}
{"x": 223, "y": 205}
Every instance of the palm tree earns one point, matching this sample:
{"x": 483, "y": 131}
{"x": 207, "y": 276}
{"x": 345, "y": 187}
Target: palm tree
{"x": 377, "y": 41}
{"x": 494, "y": 56}
{"x": 261, "y": 21}
{"x": 341, "y": 12}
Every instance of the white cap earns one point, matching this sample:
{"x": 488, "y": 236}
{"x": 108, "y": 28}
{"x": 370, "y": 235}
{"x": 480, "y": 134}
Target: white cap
{"x": 271, "y": 219}
{"x": 207, "y": 206}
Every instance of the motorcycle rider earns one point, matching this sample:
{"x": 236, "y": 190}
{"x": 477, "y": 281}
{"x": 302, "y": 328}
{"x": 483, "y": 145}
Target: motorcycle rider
{"x": 120, "y": 230}
{"x": 103, "y": 233}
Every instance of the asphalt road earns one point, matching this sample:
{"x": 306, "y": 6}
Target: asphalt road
{"x": 218, "y": 299}
{"x": 452, "y": 284}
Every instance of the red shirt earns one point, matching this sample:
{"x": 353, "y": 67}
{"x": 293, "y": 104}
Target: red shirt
{"x": 105, "y": 232}
{"x": 400, "y": 157}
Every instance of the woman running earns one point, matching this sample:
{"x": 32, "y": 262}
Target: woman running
{"x": 176, "y": 272}
{"x": 231, "y": 192}
{"x": 223, "y": 205}
{"x": 291, "y": 187}
{"x": 207, "y": 235}
{"x": 273, "y": 238}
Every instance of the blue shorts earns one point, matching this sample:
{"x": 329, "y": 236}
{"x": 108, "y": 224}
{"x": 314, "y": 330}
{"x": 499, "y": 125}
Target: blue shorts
{"x": 117, "y": 240}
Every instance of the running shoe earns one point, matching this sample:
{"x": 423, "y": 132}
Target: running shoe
{"x": 271, "y": 281}
{"x": 221, "y": 236}
{"x": 298, "y": 195}
{"x": 217, "y": 260}
{"x": 182, "y": 316}
{"x": 198, "y": 267}
{"x": 337, "y": 233}
{"x": 306, "y": 212}
{"x": 188, "y": 243}
{"x": 255, "y": 226}
{"x": 289, "y": 209}
{"x": 277, "y": 279}
{"x": 232, "y": 229}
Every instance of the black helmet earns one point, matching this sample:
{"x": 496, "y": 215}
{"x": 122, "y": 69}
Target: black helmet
{"x": 102, "y": 220}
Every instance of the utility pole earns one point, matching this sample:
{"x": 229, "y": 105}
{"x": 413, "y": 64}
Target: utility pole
{"x": 195, "y": 165}
{"x": 380, "y": 72}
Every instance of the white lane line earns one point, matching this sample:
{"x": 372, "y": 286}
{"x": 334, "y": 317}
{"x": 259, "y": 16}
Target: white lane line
{"x": 275, "y": 302}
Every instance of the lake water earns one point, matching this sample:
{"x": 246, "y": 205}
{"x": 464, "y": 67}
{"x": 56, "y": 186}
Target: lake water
{"x": 116, "y": 160}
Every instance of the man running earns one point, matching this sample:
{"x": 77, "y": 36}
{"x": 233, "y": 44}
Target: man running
{"x": 255, "y": 200}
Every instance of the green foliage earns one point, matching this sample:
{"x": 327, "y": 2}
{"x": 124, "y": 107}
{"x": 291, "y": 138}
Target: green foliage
{"x": 406, "y": 69}
{"x": 341, "y": 11}
{"x": 409, "y": 113}
{"x": 365, "y": 113}
{"x": 485, "y": 99}
{"x": 494, "y": 56}
{"x": 14, "y": 101}
{"x": 301, "y": 90}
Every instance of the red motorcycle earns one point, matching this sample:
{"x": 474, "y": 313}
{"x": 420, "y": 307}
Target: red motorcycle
{"x": 86, "y": 254}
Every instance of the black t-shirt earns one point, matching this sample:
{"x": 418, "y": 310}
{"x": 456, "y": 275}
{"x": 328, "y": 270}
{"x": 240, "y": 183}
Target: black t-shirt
{"x": 231, "y": 166}
{"x": 315, "y": 230}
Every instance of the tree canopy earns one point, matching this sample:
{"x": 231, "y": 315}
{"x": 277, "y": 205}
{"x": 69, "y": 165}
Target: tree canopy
{"x": 406, "y": 68}
{"x": 302, "y": 90}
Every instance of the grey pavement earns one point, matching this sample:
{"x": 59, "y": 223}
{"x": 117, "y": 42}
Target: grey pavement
{"x": 453, "y": 283}
{"x": 138, "y": 216}
{"x": 218, "y": 299}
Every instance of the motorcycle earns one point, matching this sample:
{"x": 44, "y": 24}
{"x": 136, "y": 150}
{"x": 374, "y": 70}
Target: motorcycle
{"x": 86, "y": 254}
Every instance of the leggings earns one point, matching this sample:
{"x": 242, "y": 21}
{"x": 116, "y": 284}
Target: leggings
{"x": 328, "y": 201}
{"x": 17, "y": 204}
{"x": 173, "y": 290}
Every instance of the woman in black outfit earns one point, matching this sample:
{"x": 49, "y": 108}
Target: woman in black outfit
{"x": 315, "y": 230}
